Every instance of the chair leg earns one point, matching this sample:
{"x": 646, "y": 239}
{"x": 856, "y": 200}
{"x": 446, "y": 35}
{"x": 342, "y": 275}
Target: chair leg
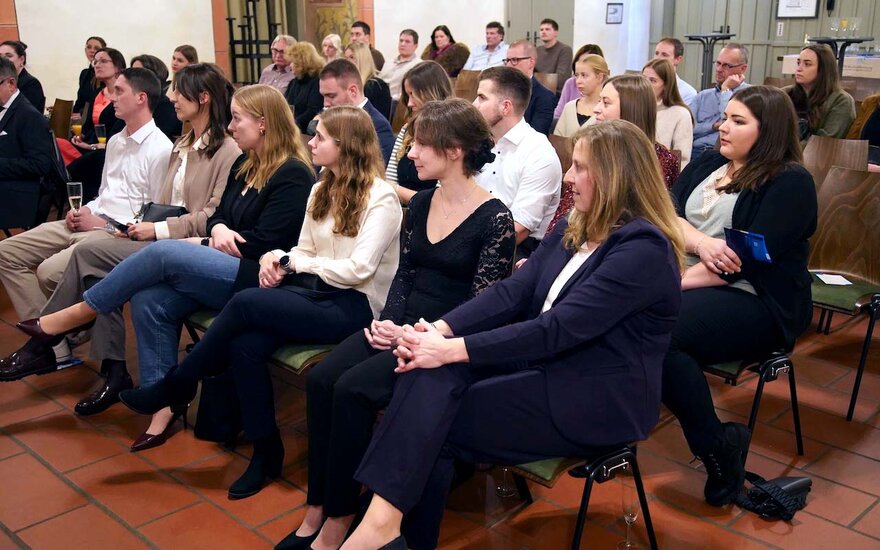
{"x": 822, "y": 312}
{"x": 582, "y": 512}
{"x": 756, "y": 403}
{"x": 522, "y": 487}
{"x": 643, "y": 500}
{"x": 795, "y": 411}
{"x": 828, "y": 322}
{"x": 193, "y": 334}
{"x": 873, "y": 310}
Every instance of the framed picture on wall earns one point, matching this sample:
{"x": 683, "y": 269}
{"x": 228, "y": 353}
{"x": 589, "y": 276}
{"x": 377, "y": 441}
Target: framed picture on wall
{"x": 804, "y": 9}
{"x": 614, "y": 13}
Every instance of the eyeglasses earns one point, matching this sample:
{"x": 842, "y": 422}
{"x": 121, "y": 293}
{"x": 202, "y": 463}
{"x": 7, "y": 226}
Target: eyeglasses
{"x": 101, "y": 61}
{"x": 727, "y": 66}
{"x": 514, "y": 61}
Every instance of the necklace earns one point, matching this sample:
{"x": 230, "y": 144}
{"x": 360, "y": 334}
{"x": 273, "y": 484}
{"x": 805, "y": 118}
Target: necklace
{"x": 461, "y": 201}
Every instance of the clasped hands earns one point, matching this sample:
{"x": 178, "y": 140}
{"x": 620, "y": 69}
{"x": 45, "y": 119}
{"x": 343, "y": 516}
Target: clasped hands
{"x": 423, "y": 346}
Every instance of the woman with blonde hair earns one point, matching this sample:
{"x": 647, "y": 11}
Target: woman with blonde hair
{"x": 334, "y": 282}
{"x": 261, "y": 209}
{"x": 590, "y": 73}
{"x": 675, "y": 122}
{"x": 521, "y": 372}
{"x": 376, "y": 89}
{"x": 331, "y": 47}
{"x": 425, "y": 82}
{"x": 303, "y": 93}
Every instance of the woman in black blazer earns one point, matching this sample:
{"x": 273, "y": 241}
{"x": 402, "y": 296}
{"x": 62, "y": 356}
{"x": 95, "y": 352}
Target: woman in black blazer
{"x": 560, "y": 358}
{"x": 302, "y": 93}
{"x": 28, "y": 85}
{"x": 88, "y": 84}
{"x": 737, "y": 308}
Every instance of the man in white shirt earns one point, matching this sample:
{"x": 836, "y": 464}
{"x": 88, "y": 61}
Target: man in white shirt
{"x": 393, "y": 74}
{"x": 526, "y": 174}
{"x": 31, "y": 263}
{"x": 672, "y": 49}
{"x": 492, "y": 54}
{"x": 279, "y": 73}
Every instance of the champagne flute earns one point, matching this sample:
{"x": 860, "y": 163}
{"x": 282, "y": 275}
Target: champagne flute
{"x": 835, "y": 26}
{"x": 101, "y": 133}
{"x": 505, "y": 489}
{"x": 629, "y": 502}
{"x": 854, "y": 25}
{"x": 74, "y": 195}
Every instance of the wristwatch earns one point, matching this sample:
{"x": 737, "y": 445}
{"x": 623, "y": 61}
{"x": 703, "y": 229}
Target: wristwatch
{"x": 206, "y": 241}
{"x": 286, "y": 265}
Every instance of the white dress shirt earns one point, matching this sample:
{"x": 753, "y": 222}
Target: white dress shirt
{"x": 134, "y": 170}
{"x": 366, "y": 262}
{"x": 577, "y": 260}
{"x": 526, "y": 176}
{"x": 394, "y": 72}
{"x": 481, "y": 58}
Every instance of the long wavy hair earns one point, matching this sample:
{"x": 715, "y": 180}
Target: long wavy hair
{"x": 777, "y": 145}
{"x": 305, "y": 59}
{"x": 666, "y": 72}
{"x": 282, "y": 139}
{"x": 344, "y": 195}
{"x": 827, "y": 82}
{"x": 363, "y": 60}
{"x": 429, "y": 82}
{"x": 627, "y": 183}
{"x": 203, "y": 78}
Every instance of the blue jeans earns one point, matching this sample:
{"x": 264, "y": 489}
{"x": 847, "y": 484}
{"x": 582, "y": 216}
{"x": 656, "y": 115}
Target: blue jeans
{"x": 165, "y": 282}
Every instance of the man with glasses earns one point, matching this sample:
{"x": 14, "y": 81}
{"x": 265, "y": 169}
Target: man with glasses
{"x": 522, "y": 56}
{"x": 490, "y": 55}
{"x": 708, "y": 107}
{"x": 279, "y": 73}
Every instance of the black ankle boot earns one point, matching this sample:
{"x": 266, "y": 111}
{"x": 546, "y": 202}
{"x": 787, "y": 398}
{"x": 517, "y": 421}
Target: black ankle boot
{"x": 725, "y": 464}
{"x": 265, "y": 464}
{"x": 116, "y": 379}
{"x": 171, "y": 391}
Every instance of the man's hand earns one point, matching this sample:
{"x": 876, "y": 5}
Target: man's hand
{"x": 732, "y": 82}
{"x": 83, "y": 220}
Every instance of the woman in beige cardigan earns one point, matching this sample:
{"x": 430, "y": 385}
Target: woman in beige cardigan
{"x": 675, "y": 123}
{"x": 198, "y": 171}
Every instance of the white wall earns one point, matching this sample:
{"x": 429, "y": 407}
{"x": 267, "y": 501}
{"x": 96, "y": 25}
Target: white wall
{"x": 56, "y": 30}
{"x": 626, "y": 45}
{"x": 466, "y": 20}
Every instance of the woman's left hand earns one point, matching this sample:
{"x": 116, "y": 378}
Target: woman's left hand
{"x": 423, "y": 347}
{"x": 143, "y": 231}
{"x": 271, "y": 273}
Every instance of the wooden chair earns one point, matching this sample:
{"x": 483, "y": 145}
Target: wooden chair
{"x": 821, "y": 153}
{"x": 466, "y": 85}
{"x": 548, "y": 80}
{"x": 59, "y": 120}
{"x": 564, "y": 148}
{"x": 846, "y": 243}
{"x": 778, "y": 82}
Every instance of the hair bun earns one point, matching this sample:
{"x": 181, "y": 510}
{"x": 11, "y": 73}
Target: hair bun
{"x": 480, "y": 155}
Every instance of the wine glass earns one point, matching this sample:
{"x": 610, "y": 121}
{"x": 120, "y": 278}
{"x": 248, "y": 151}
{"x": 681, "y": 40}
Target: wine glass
{"x": 854, "y": 25}
{"x": 834, "y": 23}
{"x": 74, "y": 195}
{"x": 505, "y": 489}
{"x": 629, "y": 502}
{"x": 101, "y": 133}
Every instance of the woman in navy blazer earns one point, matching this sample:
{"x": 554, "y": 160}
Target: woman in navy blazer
{"x": 737, "y": 308}
{"x": 562, "y": 357}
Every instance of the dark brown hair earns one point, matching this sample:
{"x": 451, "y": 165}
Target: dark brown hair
{"x": 444, "y": 125}
{"x": 193, "y": 80}
{"x": 777, "y": 145}
{"x": 189, "y": 52}
{"x": 810, "y": 105}
{"x": 510, "y": 84}
{"x": 637, "y": 103}
{"x": 446, "y": 31}
{"x": 666, "y": 72}
{"x": 116, "y": 57}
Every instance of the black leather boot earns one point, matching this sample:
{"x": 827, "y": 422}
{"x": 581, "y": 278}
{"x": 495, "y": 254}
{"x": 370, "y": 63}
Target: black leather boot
{"x": 171, "y": 391}
{"x": 725, "y": 464}
{"x": 116, "y": 379}
{"x": 265, "y": 465}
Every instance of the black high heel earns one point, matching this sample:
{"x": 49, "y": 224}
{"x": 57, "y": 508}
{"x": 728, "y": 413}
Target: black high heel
{"x": 265, "y": 464}
{"x": 149, "y": 441}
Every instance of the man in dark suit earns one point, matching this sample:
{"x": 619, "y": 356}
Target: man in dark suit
{"x": 522, "y": 56}
{"x": 25, "y": 152}
{"x": 341, "y": 84}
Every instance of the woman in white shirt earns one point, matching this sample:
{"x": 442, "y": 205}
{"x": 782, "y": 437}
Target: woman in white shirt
{"x": 591, "y": 72}
{"x": 333, "y": 283}
{"x": 675, "y": 123}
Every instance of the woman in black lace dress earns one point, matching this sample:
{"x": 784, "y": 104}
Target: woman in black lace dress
{"x": 457, "y": 241}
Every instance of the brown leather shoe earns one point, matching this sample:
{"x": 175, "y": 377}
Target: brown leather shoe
{"x": 34, "y": 357}
{"x": 116, "y": 379}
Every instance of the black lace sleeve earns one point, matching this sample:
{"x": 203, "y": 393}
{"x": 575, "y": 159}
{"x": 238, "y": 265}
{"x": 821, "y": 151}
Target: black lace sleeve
{"x": 401, "y": 285}
{"x": 496, "y": 256}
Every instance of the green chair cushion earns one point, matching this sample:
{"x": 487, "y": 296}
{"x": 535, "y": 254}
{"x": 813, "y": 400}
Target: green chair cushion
{"x": 842, "y": 298}
{"x": 729, "y": 370}
{"x": 293, "y": 357}
{"x": 546, "y": 471}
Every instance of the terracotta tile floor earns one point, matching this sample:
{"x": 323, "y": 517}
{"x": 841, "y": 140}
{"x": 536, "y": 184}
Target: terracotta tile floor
{"x": 71, "y": 482}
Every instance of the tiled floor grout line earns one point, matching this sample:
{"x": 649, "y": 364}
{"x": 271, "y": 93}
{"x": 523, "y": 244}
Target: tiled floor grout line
{"x": 171, "y": 513}
{"x": 12, "y": 536}
{"x": 55, "y": 516}
{"x": 859, "y": 517}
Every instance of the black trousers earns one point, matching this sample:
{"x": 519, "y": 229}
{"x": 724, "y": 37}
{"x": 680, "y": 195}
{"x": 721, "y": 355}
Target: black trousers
{"x": 715, "y": 325}
{"x": 455, "y": 412}
{"x": 255, "y": 323}
{"x": 345, "y": 392}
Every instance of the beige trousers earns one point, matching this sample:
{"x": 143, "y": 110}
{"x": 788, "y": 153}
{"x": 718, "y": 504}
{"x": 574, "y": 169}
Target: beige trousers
{"x": 31, "y": 263}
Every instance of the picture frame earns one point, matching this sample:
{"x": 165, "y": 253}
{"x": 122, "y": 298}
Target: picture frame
{"x": 797, "y": 9}
{"x": 614, "y": 13}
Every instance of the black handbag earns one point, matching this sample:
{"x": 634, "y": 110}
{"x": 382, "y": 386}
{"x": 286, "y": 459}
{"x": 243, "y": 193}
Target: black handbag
{"x": 155, "y": 212}
{"x": 309, "y": 284}
{"x": 219, "y": 416}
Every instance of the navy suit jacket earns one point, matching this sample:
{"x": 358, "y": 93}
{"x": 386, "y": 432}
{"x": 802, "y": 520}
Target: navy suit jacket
{"x": 383, "y": 128}
{"x": 601, "y": 346}
{"x": 542, "y": 103}
{"x": 26, "y": 159}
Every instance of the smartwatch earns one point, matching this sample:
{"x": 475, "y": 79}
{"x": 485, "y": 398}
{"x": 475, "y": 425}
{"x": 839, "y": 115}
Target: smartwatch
{"x": 206, "y": 241}
{"x": 285, "y": 264}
